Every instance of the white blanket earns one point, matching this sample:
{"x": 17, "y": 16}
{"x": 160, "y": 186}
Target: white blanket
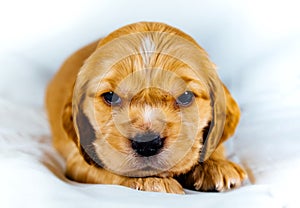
{"x": 256, "y": 45}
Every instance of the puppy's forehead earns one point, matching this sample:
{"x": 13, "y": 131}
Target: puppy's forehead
{"x": 152, "y": 54}
{"x": 165, "y": 73}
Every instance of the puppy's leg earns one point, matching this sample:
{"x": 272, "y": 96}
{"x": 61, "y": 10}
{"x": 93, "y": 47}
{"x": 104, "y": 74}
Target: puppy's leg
{"x": 214, "y": 174}
{"x": 79, "y": 170}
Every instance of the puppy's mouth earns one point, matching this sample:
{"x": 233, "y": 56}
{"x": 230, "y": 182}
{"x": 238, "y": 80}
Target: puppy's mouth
{"x": 147, "y": 144}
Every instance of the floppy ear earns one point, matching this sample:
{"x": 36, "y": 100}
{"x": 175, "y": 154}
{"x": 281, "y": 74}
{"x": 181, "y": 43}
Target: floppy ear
{"x": 86, "y": 134}
{"x": 232, "y": 116}
{"x": 216, "y": 125}
{"x": 84, "y": 128}
{"x": 68, "y": 124}
{"x": 225, "y": 117}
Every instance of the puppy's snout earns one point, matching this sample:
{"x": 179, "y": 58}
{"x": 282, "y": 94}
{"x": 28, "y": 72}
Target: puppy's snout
{"x": 147, "y": 144}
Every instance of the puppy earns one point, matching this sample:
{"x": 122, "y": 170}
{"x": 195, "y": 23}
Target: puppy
{"x": 144, "y": 108}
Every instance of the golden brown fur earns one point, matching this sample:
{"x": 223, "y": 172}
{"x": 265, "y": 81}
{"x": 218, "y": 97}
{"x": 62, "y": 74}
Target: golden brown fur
{"x": 148, "y": 81}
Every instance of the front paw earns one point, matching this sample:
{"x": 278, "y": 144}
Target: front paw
{"x": 215, "y": 175}
{"x": 153, "y": 184}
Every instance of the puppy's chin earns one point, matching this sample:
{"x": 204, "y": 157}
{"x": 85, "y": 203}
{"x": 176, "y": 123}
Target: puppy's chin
{"x": 144, "y": 166}
{"x": 167, "y": 162}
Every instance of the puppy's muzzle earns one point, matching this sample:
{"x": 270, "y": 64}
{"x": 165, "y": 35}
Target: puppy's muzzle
{"x": 147, "y": 144}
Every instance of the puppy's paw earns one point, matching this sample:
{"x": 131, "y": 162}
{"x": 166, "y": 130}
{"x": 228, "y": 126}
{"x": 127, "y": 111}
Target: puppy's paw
{"x": 167, "y": 185}
{"x": 218, "y": 175}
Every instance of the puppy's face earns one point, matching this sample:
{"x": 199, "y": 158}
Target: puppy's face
{"x": 144, "y": 105}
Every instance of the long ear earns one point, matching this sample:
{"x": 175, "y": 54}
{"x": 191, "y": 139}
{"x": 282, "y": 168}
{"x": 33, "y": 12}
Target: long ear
{"x": 85, "y": 129}
{"x": 218, "y": 130}
{"x": 68, "y": 123}
{"x": 86, "y": 134}
{"x": 232, "y": 116}
{"x": 217, "y": 123}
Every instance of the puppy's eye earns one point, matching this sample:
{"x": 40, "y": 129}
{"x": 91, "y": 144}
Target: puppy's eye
{"x": 185, "y": 99}
{"x": 111, "y": 98}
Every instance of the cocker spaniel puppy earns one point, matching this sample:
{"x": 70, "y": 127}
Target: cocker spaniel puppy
{"x": 144, "y": 108}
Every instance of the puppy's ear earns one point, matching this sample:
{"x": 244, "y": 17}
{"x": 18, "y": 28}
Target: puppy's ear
{"x": 68, "y": 124}
{"x": 86, "y": 135}
{"x": 215, "y": 127}
{"x": 232, "y": 116}
{"x": 225, "y": 117}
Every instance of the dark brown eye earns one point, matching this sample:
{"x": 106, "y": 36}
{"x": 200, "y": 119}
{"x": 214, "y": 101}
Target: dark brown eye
{"x": 111, "y": 98}
{"x": 185, "y": 99}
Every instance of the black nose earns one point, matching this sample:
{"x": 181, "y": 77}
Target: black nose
{"x": 147, "y": 144}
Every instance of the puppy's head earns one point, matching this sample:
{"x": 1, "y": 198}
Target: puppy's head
{"x": 146, "y": 102}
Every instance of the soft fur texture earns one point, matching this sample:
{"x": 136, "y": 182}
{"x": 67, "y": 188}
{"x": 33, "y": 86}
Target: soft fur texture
{"x": 149, "y": 65}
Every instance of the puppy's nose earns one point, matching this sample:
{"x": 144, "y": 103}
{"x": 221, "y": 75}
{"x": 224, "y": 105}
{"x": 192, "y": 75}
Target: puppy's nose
{"x": 147, "y": 144}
